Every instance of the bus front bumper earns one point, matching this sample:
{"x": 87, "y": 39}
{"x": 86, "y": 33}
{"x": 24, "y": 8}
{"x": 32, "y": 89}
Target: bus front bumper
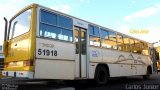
{"x": 21, "y": 74}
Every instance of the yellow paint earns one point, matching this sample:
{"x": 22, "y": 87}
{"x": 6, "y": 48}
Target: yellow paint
{"x": 18, "y": 48}
{"x": 33, "y": 32}
{"x": 158, "y": 49}
{"x": 141, "y": 31}
{"x": 26, "y": 68}
{"x": 22, "y": 47}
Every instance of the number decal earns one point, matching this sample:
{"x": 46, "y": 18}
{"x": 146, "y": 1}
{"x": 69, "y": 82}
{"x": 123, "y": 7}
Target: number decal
{"x": 47, "y": 52}
{"x": 39, "y": 51}
{"x": 55, "y": 53}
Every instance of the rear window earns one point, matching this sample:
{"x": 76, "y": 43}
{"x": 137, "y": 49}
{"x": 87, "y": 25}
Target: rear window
{"x": 21, "y": 24}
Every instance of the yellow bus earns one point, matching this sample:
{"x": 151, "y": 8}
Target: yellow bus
{"x": 41, "y": 43}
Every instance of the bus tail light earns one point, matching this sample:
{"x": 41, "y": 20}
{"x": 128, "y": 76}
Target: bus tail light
{"x": 28, "y": 63}
{"x": 6, "y": 64}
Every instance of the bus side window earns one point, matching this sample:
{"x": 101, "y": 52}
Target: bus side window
{"x": 120, "y": 43}
{"x": 56, "y": 26}
{"x": 126, "y": 46}
{"x": 108, "y": 39}
{"x": 145, "y": 50}
{"x": 94, "y": 37}
{"x": 137, "y": 45}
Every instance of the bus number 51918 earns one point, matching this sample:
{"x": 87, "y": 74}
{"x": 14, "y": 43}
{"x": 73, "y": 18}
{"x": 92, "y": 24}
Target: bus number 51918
{"x": 47, "y": 52}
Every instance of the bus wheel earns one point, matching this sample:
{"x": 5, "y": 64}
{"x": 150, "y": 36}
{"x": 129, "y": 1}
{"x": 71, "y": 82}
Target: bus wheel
{"x": 147, "y": 76}
{"x": 101, "y": 75}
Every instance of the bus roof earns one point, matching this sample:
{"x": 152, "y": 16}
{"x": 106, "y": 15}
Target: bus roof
{"x": 37, "y": 5}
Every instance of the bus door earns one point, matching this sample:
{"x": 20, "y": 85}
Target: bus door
{"x": 153, "y": 58}
{"x": 80, "y": 52}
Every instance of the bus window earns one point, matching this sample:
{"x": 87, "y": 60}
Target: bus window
{"x": 126, "y": 46}
{"x": 65, "y": 22}
{"x": 91, "y": 30}
{"x": 104, "y": 34}
{"x": 120, "y": 42}
{"x": 112, "y": 36}
{"x": 111, "y": 42}
{"x": 94, "y": 41}
{"x": 145, "y": 49}
{"x": 94, "y": 36}
{"x": 141, "y": 44}
{"x": 66, "y": 35}
{"x": 136, "y": 47}
{"x": 94, "y": 30}
{"x": 49, "y": 18}
{"x": 50, "y": 29}
{"x": 21, "y": 24}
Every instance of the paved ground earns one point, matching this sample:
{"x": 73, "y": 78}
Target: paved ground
{"x": 131, "y": 83}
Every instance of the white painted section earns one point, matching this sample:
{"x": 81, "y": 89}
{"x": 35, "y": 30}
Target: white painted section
{"x": 60, "y": 66}
{"x": 83, "y": 66}
{"x": 114, "y": 70}
{"x": 24, "y": 74}
{"x": 11, "y": 73}
{"x": 54, "y": 69}
{"x": 80, "y": 23}
{"x": 120, "y": 63}
{"x": 65, "y": 51}
{"x": 77, "y": 66}
{"x": 112, "y": 56}
{"x": 95, "y": 54}
{"x": 92, "y": 68}
{"x": 124, "y": 70}
{"x": 3, "y": 73}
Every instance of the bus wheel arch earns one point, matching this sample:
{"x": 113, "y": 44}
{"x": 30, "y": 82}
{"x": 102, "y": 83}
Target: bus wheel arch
{"x": 148, "y": 72}
{"x": 102, "y": 74}
{"x": 149, "y": 68}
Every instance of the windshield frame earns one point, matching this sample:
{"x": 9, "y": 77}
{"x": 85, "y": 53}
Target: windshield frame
{"x": 13, "y": 18}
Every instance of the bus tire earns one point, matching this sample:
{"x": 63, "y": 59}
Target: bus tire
{"x": 101, "y": 75}
{"x": 147, "y": 76}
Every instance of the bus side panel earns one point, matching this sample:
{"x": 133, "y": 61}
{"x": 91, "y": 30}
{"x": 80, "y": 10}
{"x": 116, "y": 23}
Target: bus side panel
{"x": 54, "y": 59}
{"x": 54, "y": 69}
{"x": 119, "y": 62}
{"x": 18, "y": 48}
{"x": 141, "y": 63}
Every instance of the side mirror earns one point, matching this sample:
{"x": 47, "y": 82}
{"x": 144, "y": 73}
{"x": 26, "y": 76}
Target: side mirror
{"x": 5, "y": 45}
{"x": 5, "y": 30}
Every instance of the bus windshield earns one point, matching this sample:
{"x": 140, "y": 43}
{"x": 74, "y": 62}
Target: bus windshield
{"x": 21, "y": 24}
